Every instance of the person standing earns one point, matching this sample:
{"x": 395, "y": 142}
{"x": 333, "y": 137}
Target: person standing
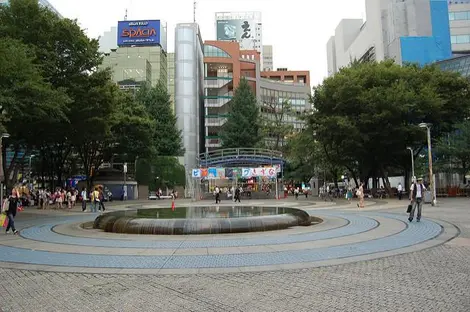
{"x": 237, "y": 195}
{"x": 360, "y": 195}
{"x": 217, "y": 194}
{"x": 349, "y": 194}
{"x": 400, "y": 191}
{"x": 11, "y": 210}
{"x": 84, "y": 199}
{"x": 95, "y": 200}
{"x": 417, "y": 193}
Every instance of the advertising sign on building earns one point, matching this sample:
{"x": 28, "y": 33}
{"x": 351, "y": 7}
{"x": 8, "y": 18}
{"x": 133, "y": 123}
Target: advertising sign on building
{"x": 240, "y": 30}
{"x": 141, "y": 33}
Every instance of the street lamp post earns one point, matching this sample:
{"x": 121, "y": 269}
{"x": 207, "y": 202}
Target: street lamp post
{"x": 412, "y": 164}
{"x": 431, "y": 176}
{"x": 125, "y": 186}
{"x": 2, "y": 173}
{"x": 29, "y": 167}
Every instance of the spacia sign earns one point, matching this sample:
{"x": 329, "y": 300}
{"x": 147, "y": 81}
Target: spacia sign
{"x": 142, "y": 33}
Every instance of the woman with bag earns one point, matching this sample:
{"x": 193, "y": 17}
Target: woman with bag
{"x": 11, "y": 209}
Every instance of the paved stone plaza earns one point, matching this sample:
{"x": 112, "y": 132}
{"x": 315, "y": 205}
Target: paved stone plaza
{"x": 367, "y": 260}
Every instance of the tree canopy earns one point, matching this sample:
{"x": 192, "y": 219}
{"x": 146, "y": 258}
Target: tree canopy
{"x": 58, "y": 105}
{"x": 166, "y": 138}
{"x": 242, "y": 128}
{"x": 368, "y": 114}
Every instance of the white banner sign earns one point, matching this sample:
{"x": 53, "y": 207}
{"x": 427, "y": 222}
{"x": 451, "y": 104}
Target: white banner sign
{"x": 269, "y": 172}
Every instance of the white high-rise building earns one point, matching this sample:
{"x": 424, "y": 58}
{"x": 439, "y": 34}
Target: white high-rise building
{"x": 459, "y": 18}
{"x": 242, "y": 27}
{"x": 408, "y": 31}
{"x": 108, "y": 41}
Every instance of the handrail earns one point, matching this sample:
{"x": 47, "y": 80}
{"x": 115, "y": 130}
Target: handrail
{"x": 230, "y": 152}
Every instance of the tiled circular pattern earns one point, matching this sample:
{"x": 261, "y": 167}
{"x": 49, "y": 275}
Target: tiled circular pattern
{"x": 365, "y": 234}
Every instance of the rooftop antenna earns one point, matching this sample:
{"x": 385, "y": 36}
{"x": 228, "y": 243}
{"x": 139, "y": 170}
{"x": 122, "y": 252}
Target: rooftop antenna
{"x": 125, "y": 16}
{"x": 194, "y": 12}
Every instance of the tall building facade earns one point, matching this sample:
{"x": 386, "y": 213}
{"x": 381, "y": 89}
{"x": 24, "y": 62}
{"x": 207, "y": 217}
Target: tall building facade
{"x": 459, "y": 17}
{"x": 225, "y": 64}
{"x": 408, "y": 31}
{"x": 133, "y": 66}
{"x": 189, "y": 91}
{"x": 140, "y": 56}
{"x": 243, "y": 27}
{"x": 267, "y": 58}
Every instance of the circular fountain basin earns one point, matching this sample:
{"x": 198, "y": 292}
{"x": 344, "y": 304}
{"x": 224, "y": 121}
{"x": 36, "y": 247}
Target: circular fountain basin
{"x": 201, "y": 220}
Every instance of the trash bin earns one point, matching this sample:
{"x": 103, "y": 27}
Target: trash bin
{"x": 427, "y": 197}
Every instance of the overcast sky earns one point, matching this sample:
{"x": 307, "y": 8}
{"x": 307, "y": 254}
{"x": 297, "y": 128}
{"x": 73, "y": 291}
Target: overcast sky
{"x": 297, "y": 29}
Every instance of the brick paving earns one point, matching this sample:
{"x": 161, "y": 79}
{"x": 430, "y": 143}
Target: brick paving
{"x": 435, "y": 279}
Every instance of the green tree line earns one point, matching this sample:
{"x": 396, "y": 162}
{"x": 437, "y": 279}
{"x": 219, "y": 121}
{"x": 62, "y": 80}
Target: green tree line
{"x": 56, "y": 100}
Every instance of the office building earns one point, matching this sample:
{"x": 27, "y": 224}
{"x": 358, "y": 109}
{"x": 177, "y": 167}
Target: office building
{"x": 460, "y": 64}
{"x": 459, "y": 18}
{"x": 267, "y": 58}
{"x": 189, "y": 91}
{"x": 108, "y": 41}
{"x": 242, "y": 27}
{"x": 225, "y": 64}
{"x": 140, "y": 56}
{"x": 408, "y": 31}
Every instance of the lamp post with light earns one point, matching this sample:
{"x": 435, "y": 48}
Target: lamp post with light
{"x": 2, "y": 173}
{"x": 431, "y": 176}
{"x": 412, "y": 164}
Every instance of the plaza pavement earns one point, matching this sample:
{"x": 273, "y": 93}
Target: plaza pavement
{"x": 356, "y": 260}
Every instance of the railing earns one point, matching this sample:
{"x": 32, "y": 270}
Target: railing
{"x": 215, "y": 121}
{"x": 235, "y": 153}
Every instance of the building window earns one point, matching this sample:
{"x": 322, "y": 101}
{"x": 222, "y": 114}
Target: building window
{"x": 459, "y": 16}
{"x": 460, "y": 39}
{"x": 212, "y": 51}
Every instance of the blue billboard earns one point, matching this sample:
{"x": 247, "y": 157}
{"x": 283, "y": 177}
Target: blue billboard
{"x": 142, "y": 33}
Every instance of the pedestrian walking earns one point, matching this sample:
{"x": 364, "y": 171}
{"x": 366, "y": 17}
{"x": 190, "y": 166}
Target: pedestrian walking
{"x": 349, "y": 194}
{"x": 400, "y": 191}
{"x": 84, "y": 199}
{"x": 360, "y": 195}
{"x": 417, "y": 193}
{"x": 217, "y": 194}
{"x": 11, "y": 208}
{"x": 237, "y": 195}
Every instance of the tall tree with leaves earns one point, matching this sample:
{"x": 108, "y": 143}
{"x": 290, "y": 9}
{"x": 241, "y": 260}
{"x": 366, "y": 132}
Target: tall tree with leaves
{"x": 274, "y": 126}
{"x": 455, "y": 149}
{"x": 167, "y": 139}
{"x": 366, "y": 115}
{"x": 242, "y": 128}
{"x": 27, "y": 102}
{"x": 65, "y": 55}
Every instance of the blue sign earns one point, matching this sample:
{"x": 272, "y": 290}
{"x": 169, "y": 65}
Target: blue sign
{"x": 142, "y": 33}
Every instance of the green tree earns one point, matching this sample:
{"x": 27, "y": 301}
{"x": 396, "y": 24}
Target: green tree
{"x": 366, "y": 115}
{"x": 167, "y": 139}
{"x": 134, "y": 129}
{"x": 274, "y": 128}
{"x": 455, "y": 149}
{"x": 27, "y": 102}
{"x": 66, "y": 56}
{"x": 242, "y": 128}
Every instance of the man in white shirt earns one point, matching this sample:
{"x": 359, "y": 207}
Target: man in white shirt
{"x": 417, "y": 193}
{"x": 400, "y": 191}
